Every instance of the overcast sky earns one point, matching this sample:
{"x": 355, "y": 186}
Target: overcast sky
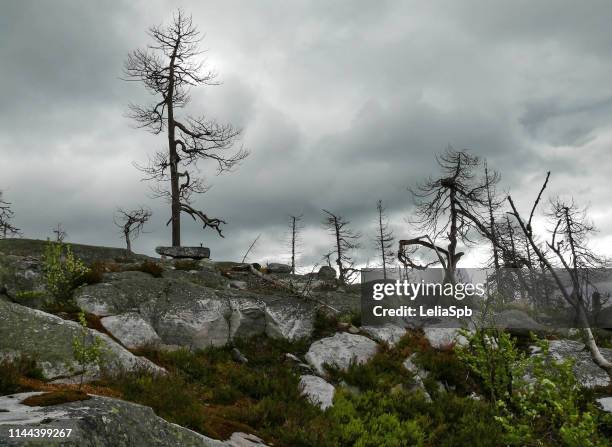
{"x": 341, "y": 103}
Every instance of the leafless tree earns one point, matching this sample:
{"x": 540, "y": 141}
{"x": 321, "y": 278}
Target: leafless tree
{"x": 346, "y": 240}
{"x": 452, "y": 207}
{"x": 168, "y": 68}
{"x": 384, "y": 239}
{"x": 60, "y": 233}
{"x": 131, "y": 223}
{"x": 568, "y": 246}
{"x": 6, "y": 215}
{"x": 295, "y": 226}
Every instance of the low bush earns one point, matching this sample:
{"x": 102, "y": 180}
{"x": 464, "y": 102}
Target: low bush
{"x": 12, "y": 370}
{"x": 28, "y": 295}
{"x": 95, "y": 274}
{"x": 537, "y": 399}
{"x": 186, "y": 264}
{"x": 55, "y": 398}
{"x": 152, "y": 268}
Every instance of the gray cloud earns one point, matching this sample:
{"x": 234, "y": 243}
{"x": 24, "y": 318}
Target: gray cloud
{"x": 340, "y": 103}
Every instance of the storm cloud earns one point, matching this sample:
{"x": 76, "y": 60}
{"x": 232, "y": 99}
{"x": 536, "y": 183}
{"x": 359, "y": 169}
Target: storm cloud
{"x": 341, "y": 103}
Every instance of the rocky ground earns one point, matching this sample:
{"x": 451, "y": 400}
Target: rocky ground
{"x": 190, "y": 305}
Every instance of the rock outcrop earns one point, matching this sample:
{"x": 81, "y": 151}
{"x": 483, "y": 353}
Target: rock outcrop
{"x": 339, "y": 351}
{"x": 48, "y": 339}
{"x": 184, "y": 313}
{"x": 104, "y": 422}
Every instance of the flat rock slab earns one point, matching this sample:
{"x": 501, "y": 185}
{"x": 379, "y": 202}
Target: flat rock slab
{"x": 275, "y": 267}
{"x": 340, "y": 350}
{"x": 317, "y": 391}
{"x": 184, "y": 252}
{"x": 99, "y": 421}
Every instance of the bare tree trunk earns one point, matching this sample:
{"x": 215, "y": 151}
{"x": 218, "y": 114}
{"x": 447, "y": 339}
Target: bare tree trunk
{"x": 382, "y": 241}
{"x": 293, "y": 234}
{"x": 174, "y": 159}
{"x": 339, "y": 252}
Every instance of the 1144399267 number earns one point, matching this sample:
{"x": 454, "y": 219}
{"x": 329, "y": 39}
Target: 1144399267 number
{"x": 39, "y": 432}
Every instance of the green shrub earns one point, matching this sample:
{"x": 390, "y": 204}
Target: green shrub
{"x": 63, "y": 271}
{"x": 87, "y": 349}
{"x": 325, "y": 324}
{"x": 407, "y": 419}
{"x": 536, "y": 398}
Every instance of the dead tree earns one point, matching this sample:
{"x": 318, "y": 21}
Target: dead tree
{"x": 6, "y": 215}
{"x": 568, "y": 247}
{"x": 451, "y": 207}
{"x": 131, "y": 223}
{"x": 346, "y": 240}
{"x": 168, "y": 68}
{"x": 384, "y": 239}
{"x": 295, "y": 227}
{"x": 60, "y": 233}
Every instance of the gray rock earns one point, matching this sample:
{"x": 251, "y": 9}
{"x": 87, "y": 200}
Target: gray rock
{"x": 588, "y": 374}
{"x": 275, "y": 267}
{"x": 443, "y": 337}
{"x": 326, "y": 272}
{"x": 419, "y": 375}
{"x": 98, "y": 421}
{"x": 292, "y": 357}
{"x": 289, "y": 319}
{"x": 352, "y": 329}
{"x": 606, "y": 404}
{"x": 184, "y": 252}
{"x": 131, "y": 330}
{"x": 388, "y": 333}
{"x": 239, "y": 439}
{"x": 184, "y": 313}
{"x": 248, "y": 317}
{"x": 239, "y": 356}
{"x": 240, "y": 285}
{"x": 20, "y": 273}
{"x": 317, "y": 391}
{"x": 48, "y": 339}
{"x": 197, "y": 325}
{"x": 340, "y": 350}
